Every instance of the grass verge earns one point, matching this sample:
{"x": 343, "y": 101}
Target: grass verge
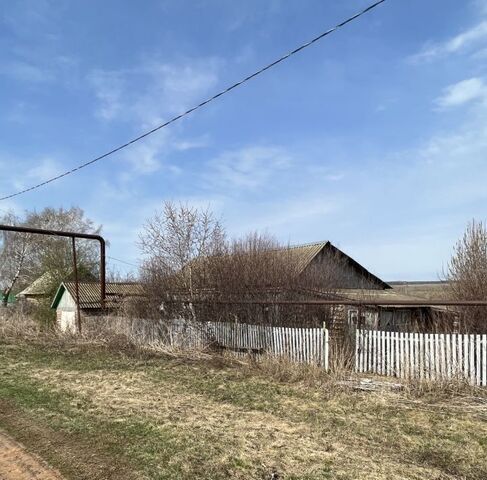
{"x": 98, "y": 414}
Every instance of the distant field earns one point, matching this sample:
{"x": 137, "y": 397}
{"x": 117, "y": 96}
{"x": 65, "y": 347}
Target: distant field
{"x": 94, "y": 414}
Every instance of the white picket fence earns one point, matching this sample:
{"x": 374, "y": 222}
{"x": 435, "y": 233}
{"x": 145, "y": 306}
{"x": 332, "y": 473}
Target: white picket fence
{"x": 303, "y": 345}
{"x": 426, "y": 356}
{"x": 429, "y": 356}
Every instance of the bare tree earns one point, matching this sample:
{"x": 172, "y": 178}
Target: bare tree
{"x": 467, "y": 275}
{"x": 14, "y": 255}
{"x": 54, "y": 254}
{"x": 171, "y": 241}
{"x": 25, "y": 257}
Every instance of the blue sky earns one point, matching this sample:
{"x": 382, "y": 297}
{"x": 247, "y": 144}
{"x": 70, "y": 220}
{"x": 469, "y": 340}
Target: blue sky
{"x": 375, "y": 138}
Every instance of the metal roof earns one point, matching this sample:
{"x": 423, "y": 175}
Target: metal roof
{"x": 90, "y": 293}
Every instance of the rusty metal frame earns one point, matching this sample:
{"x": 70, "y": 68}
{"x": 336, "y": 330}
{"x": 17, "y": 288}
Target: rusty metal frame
{"x": 73, "y": 236}
{"x": 379, "y": 303}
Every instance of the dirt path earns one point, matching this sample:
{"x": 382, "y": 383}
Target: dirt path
{"x": 18, "y": 464}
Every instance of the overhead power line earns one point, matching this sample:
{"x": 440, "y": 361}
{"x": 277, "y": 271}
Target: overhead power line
{"x": 123, "y": 261}
{"x": 202, "y": 104}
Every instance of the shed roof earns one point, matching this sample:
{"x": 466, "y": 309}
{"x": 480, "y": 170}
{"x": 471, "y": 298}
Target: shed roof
{"x": 90, "y": 293}
{"x": 40, "y": 286}
{"x": 388, "y": 295}
{"x": 426, "y": 289}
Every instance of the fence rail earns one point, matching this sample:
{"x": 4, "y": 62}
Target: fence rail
{"x": 429, "y": 356}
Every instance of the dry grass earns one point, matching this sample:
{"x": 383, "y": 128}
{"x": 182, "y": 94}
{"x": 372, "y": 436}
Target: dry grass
{"x": 169, "y": 415}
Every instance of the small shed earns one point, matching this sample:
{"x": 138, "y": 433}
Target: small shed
{"x": 90, "y": 300}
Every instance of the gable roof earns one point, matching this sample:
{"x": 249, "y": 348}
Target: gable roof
{"x": 304, "y": 254}
{"x": 90, "y": 293}
{"x": 40, "y": 286}
{"x": 301, "y": 256}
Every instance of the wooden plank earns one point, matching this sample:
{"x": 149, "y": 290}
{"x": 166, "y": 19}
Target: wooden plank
{"x": 358, "y": 350}
{"x": 421, "y": 362}
{"x": 382, "y": 350}
{"x": 317, "y": 335}
{"x": 459, "y": 341}
{"x": 312, "y": 346}
{"x": 454, "y": 350}
{"x": 478, "y": 360}
{"x": 299, "y": 345}
{"x": 436, "y": 350}
{"x": 443, "y": 369}
{"x": 407, "y": 354}
{"x": 415, "y": 340}
{"x": 319, "y": 345}
{"x": 388, "y": 354}
{"x": 292, "y": 344}
{"x": 429, "y": 356}
{"x": 306, "y": 345}
{"x": 365, "y": 350}
{"x": 400, "y": 364}
{"x": 472, "y": 358}
{"x": 484, "y": 360}
{"x": 379, "y": 351}
{"x": 326, "y": 350}
{"x": 397, "y": 357}
{"x": 448, "y": 355}
{"x": 369, "y": 351}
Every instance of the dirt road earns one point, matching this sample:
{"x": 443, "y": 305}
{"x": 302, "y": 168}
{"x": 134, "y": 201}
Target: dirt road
{"x": 18, "y": 464}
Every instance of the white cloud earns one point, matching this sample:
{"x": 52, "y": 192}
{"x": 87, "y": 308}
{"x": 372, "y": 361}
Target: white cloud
{"x": 108, "y": 87}
{"x": 34, "y": 172}
{"x": 248, "y": 167}
{"x": 153, "y": 91}
{"x": 26, "y": 72}
{"x": 146, "y": 157}
{"x": 463, "y": 92}
{"x": 44, "y": 169}
{"x": 150, "y": 94}
{"x": 467, "y": 39}
{"x": 335, "y": 177}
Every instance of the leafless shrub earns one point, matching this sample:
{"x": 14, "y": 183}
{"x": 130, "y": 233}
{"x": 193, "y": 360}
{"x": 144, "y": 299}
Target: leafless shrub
{"x": 467, "y": 276}
{"x": 15, "y": 324}
{"x": 192, "y": 272}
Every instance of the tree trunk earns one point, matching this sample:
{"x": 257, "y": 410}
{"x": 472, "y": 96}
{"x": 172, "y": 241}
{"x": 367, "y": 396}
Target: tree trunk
{"x": 6, "y": 294}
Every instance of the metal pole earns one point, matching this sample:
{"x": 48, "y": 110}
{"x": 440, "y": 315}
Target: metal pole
{"x": 102, "y": 273}
{"x": 59, "y": 233}
{"x": 397, "y": 303}
{"x": 78, "y": 319}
